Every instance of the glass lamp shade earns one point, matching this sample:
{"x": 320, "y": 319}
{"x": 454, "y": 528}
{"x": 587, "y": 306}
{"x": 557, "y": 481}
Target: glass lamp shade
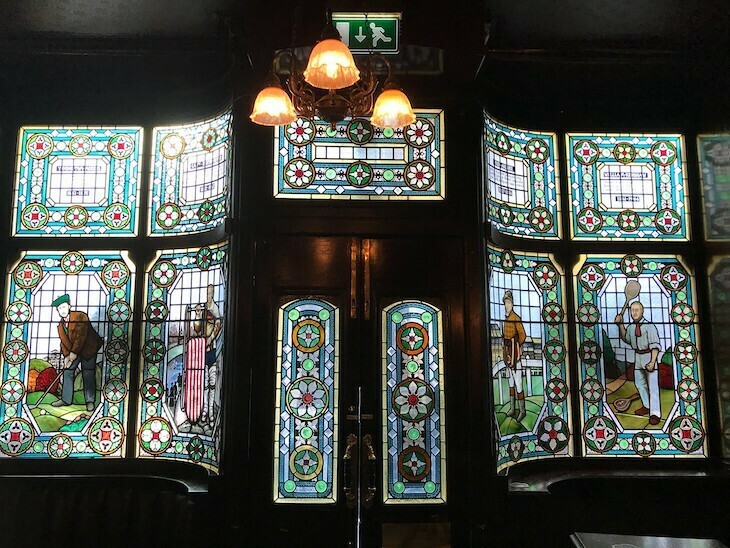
{"x": 273, "y": 108}
{"x": 331, "y": 66}
{"x": 392, "y": 109}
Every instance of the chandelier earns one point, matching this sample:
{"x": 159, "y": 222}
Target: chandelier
{"x": 331, "y": 88}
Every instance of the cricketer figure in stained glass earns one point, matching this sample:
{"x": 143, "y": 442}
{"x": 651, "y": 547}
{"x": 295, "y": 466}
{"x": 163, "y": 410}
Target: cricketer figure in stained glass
{"x": 513, "y": 337}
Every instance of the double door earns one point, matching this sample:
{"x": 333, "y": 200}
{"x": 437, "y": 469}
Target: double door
{"x": 358, "y": 421}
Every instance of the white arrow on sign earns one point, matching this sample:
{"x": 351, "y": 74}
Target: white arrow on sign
{"x": 360, "y": 36}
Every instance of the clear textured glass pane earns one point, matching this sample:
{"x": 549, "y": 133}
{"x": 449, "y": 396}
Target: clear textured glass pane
{"x": 530, "y": 381}
{"x": 182, "y": 362}
{"x": 719, "y": 272}
{"x": 640, "y": 374}
{"x": 521, "y": 180}
{"x": 191, "y": 176}
{"x": 414, "y": 417}
{"x": 628, "y": 186}
{"x": 65, "y": 366}
{"x": 305, "y": 438}
{"x": 356, "y": 160}
{"x": 714, "y": 155}
{"x": 77, "y": 181}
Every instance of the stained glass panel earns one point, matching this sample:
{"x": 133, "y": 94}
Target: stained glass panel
{"x": 719, "y": 272}
{"x": 414, "y": 422}
{"x": 191, "y": 176}
{"x": 182, "y": 356}
{"x": 356, "y": 160}
{"x": 628, "y": 186}
{"x": 521, "y": 174}
{"x": 305, "y": 438}
{"x": 65, "y": 357}
{"x": 641, "y": 381}
{"x": 77, "y": 181}
{"x": 714, "y": 156}
{"x": 527, "y": 331}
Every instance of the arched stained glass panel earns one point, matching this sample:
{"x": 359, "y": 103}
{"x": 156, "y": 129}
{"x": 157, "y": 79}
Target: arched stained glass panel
{"x": 414, "y": 418}
{"x": 355, "y": 160}
{"x": 628, "y": 186}
{"x": 191, "y": 176}
{"x": 305, "y": 437}
{"x": 77, "y": 181}
{"x": 714, "y": 156}
{"x": 641, "y": 382}
{"x": 182, "y": 364}
{"x": 65, "y": 357}
{"x": 530, "y": 381}
{"x": 522, "y": 185}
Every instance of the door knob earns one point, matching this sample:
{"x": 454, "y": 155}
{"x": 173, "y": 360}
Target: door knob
{"x": 350, "y": 478}
{"x": 369, "y": 492}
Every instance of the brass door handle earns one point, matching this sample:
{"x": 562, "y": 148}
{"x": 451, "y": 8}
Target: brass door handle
{"x": 369, "y": 491}
{"x": 350, "y": 479}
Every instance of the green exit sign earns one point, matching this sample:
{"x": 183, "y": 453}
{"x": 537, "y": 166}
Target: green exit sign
{"x": 365, "y": 32}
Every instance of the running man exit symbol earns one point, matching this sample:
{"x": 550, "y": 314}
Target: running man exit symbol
{"x": 369, "y": 32}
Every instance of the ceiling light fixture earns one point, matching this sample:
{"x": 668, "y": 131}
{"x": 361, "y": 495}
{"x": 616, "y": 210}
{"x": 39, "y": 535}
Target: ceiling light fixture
{"x": 332, "y": 88}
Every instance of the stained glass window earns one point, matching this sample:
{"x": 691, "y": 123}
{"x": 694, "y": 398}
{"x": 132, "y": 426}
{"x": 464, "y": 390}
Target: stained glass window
{"x": 521, "y": 180}
{"x": 414, "y": 420}
{"x": 527, "y": 331}
{"x": 65, "y": 357}
{"x": 305, "y": 438}
{"x": 356, "y": 160}
{"x": 77, "y": 181}
{"x": 191, "y": 176}
{"x": 641, "y": 382}
{"x": 182, "y": 356}
{"x": 627, "y": 186}
{"x": 719, "y": 273}
{"x": 714, "y": 156}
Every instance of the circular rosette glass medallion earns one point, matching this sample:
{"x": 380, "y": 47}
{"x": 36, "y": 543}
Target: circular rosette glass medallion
{"x": 589, "y": 352}
{"x": 115, "y": 391}
{"x": 631, "y": 265}
{"x": 600, "y": 434}
{"x": 155, "y": 435}
{"x": 552, "y": 313}
{"x": 624, "y": 152}
{"x": 299, "y": 173}
{"x": 76, "y": 217}
{"x": 12, "y": 391}
{"x": 154, "y": 351}
{"x": 15, "y": 352}
{"x": 117, "y": 351}
{"x": 360, "y": 131}
{"x": 556, "y": 390}
{"x": 39, "y": 146}
{"x": 502, "y": 143}
{"x": 644, "y": 444}
{"x": 686, "y": 434}
{"x": 628, "y": 220}
{"x": 553, "y": 434}
{"x": 117, "y": 216}
{"x": 34, "y": 216}
{"x": 663, "y": 153}
{"x": 152, "y": 390}
{"x": 196, "y": 449}
{"x": 591, "y": 277}
{"x": 515, "y": 449}
{"x": 16, "y": 437}
{"x": 308, "y": 335}
{"x": 307, "y": 398}
{"x": 413, "y": 400}
{"x": 685, "y": 352}
{"x": 506, "y": 215}
{"x": 115, "y": 274}
{"x": 592, "y": 390}
{"x": 156, "y": 312}
{"x": 359, "y": 174}
{"x": 412, "y": 338}
{"x": 18, "y": 312}
{"x": 79, "y": 145}
{"x": 689, "y": 390}
{"x": 209, "y": 138}
{"x": 673, "y": 277}
{"x": 545, "y": 276}
{"x": 163, "y": 273}
{"x": 588, "y": 314}
{"x": 683, "y": 314}
{"x": 28, "y": 274}
{"x": 119, "y": 312}
{"x": 540, "y": 219}
{"x": 306, "y": 462}
{"x": 120, "y": 146}
{"x": 419, "y": 175}
{"x": 168, "y": 215}
{"x": 72, "y": 263}
{"x": 300, "y": 132}
{"x": 668, "y": 221}
{"x": 60, "y": 446}
{"x": 414, "y": 464}
{"x": 554, "y": 352}
{"x": 537, "y": 151}
{"x": 206, "y": 211}
{"x": 589, "y": 220}
{"x": 172, "y": 146}
{"x": 508, "y": 261}
{"x": 420, "y": 133}
{"x": 204, "y": 258}
{"x": 586, "y": 152}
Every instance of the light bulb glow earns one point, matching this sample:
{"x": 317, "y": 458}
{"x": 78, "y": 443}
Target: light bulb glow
{"x": 273, "y": 108}
{"x": 392, "y": 109}
{"x": 331, "y": 66}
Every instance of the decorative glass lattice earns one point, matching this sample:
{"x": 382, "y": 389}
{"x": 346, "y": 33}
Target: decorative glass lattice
{"x": 627, "y": 186}
{"x": 719, "y": 272}
{"x": 67, "y": 328}
{"x": 527, "y": 332}
{"x": 641, "y": 382}
{"x": 77, "y": 181}
{"x": 358, "y": 161}
{"x": 191, "y": 176}
{"x": 714, "y": 156}
{"x": 305, "y": 436}
{"x": 182, "y": 356}
{"x": 414, "y": 416}
{"x": 521, "y": 180}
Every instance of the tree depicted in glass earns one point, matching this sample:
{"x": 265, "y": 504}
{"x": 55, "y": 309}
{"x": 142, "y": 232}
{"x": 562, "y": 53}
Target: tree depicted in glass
{"x": 641, "y": 381}
{"x": 305, "y": 432}
{"x": 414, "y": 417}
{"x": 182, "y": 367}
{"x": 521, "y": 180}
{"x": 77, "y": 181}
{"x": 527, "y": 330}
{"x": 627, "y": 186}
{"x": 356, "y": 160}
{"x": 65, "y": 357}
{"x": 191, "y": 176}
